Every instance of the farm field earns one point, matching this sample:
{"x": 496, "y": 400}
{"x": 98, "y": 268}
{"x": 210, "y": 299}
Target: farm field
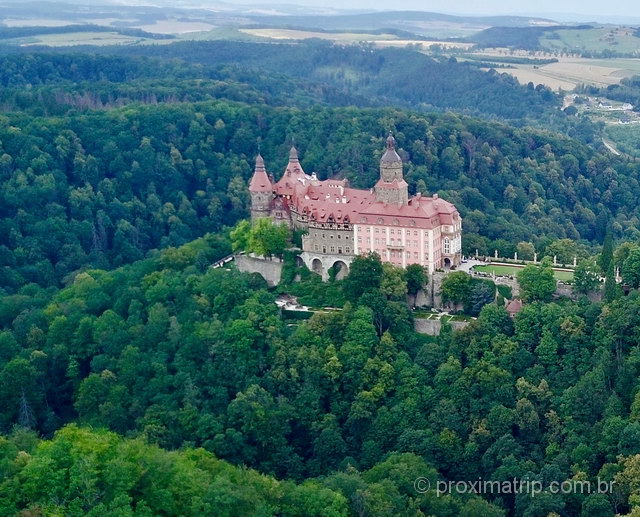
{"x": 331, "y": 36}
{"x": 572, "y": 71}
{"x": 513, "y": 270}
{"x": 78, "y": 38}
{"x": 380, "y": 40}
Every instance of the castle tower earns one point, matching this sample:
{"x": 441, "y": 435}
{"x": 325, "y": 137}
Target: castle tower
{"x": 261, "y": 191}
{"x": 391, "y": 187}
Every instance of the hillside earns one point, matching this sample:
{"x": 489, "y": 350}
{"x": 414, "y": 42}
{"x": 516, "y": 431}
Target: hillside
{"x": 143, "y": 373}
{"x": 366, "y": 76}
{"x": 186, "y": 356}
{"x": 104, "y": 187}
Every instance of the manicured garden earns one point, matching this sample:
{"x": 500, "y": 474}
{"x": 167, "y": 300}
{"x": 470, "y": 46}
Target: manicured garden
{"x": 500, "y": 269}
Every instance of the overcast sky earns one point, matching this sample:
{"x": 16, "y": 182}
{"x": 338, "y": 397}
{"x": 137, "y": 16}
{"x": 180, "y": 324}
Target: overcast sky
{"x": 585, "y": 9}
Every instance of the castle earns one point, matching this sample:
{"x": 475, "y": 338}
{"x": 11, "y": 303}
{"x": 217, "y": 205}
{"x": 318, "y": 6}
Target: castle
{"x": 343, "y": 222}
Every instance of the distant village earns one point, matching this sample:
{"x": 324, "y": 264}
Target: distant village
{"x": 611, "y": 112}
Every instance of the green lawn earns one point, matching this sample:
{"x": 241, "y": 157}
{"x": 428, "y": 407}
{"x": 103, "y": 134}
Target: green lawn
{"x": 513, "y": 270}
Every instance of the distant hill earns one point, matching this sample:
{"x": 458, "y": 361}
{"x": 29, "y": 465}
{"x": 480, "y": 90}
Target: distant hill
{"x": 419, "y": 22}
{"x": 527, "y": 38}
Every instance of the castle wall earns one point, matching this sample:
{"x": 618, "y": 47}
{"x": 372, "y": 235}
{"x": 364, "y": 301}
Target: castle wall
{"x": 271, "y": 270}
{"x": 434, "y": 327}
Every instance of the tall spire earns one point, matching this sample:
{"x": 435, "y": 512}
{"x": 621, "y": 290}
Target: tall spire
{"x": 293, "y": 167}
{"x": 260, "y": 181}
{"x": 293, "y": 154}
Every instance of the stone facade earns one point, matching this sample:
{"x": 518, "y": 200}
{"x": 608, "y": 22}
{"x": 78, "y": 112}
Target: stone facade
{"x": 343, "y": 222}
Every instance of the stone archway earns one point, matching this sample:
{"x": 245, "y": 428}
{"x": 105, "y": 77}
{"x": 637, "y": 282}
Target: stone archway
{"x": 340, "y": 269}
{"x": 317, "y": 267}
{"x": 299, "y": 261}
{"x": 447, "y": 264}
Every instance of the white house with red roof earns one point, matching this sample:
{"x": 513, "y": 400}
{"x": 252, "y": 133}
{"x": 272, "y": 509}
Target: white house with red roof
{"x": 343, "y": 222}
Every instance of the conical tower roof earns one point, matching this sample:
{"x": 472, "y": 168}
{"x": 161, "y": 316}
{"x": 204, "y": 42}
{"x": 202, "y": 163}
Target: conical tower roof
{"x": 260, "y": 181}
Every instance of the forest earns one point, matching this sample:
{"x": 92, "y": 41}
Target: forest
{"x": 374, "y": 76}
{"x": 352, "y": 405}
{"x": 101, "y": 188}
{"x": 137, "y": 380}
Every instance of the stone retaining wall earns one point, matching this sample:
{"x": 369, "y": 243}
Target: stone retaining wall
{"x": 433, "y": 327}
{"x": 271, "y": 270}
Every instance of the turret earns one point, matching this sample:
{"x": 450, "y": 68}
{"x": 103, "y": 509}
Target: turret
{"x": 260, "y": 190}
{"x": 293, "y": 167}
{"x": 293, "y": 176}
{"x": 391, "y": 187}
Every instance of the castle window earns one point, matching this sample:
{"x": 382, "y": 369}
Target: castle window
{"x": 346, "y": 237}
{"x": 331, "y": 236}
{"x": 392, "y": 232}
{"x": 415, "y": 255}
{"x": 380, "y": 220}
{"x": 348, "y": 249}
{"x": 368, "y": 230}
{"x": 315, "y": 247}
{"x": 339, "y": 236}
{"x": 408, "y": 254}
{"x": 333, "y": 249}
{"x": 377, "y": 230}
{"x": 396, "y": 222}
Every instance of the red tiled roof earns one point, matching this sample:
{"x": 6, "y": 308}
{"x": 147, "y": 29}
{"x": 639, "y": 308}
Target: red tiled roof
{"x": 328, "y": 200}
{"x": 260, "y": 181}
{"x": 293, "y": 174}
{"x": 333, "y": 200}
{"x": 425, "y": 212}
{"x": 514, "y": 306}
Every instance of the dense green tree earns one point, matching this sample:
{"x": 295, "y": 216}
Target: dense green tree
{"x": 526, "y": 250}
{"x": 267, "y": 238}
{"x": 586, "y": 277}
{"x": 456, "y": 288}
{"x": 416, "y": 278}
{"x": 537, "y": 282}
{"x": 365, "y": 273}
{"x": 393, "y": 283}
{"x": 631, "y": 268}
{"x": 606, "y": 256}
{"x": 564, "y": 251}
{"x": 611, "y": 288}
